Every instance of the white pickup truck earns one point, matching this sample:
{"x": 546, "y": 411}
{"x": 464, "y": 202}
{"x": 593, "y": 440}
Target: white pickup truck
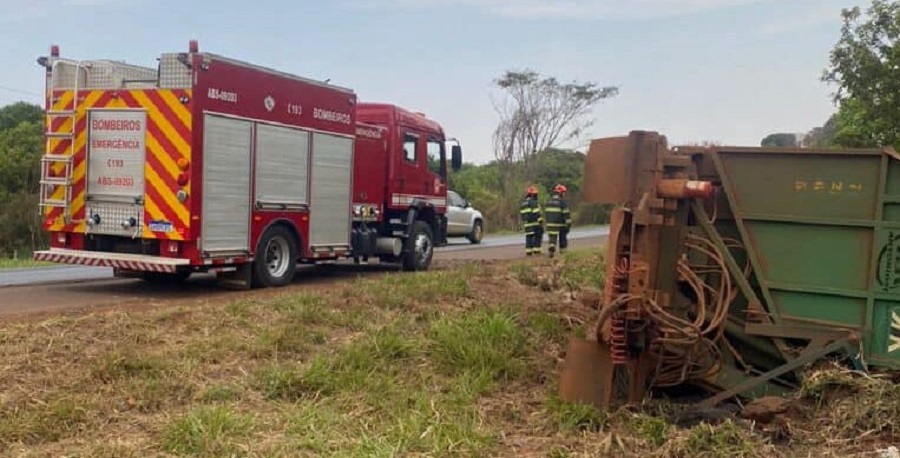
{"x": 463, "y": 220}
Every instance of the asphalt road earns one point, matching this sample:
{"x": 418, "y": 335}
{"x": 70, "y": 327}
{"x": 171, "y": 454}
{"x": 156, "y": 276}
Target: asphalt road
{"x": 75, "y": 291}
{"x": 67, "y": 274}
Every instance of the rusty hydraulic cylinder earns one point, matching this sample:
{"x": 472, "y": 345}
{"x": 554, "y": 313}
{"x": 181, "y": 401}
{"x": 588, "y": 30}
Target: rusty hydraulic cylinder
{"x": 684, "y": 189}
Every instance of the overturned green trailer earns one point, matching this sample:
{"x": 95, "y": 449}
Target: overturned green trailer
{"x": 731, "y": 268}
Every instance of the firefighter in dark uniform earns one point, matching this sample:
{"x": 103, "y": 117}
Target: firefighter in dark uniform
{"x": 559, "y": 220}
{"x": 532, "y": 221}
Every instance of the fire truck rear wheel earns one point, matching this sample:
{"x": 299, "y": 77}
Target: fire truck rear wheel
{"x": 276, "y": 258}
{"x": 419, "y": 247}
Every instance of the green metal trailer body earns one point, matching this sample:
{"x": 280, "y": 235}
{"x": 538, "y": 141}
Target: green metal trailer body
{"x": 822, "y": 228}
{"x": 732, "y": 267}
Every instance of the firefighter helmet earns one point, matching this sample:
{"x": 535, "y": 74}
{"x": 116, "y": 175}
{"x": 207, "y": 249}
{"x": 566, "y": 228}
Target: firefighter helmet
{"x": 560, "y": 189}
{"x": 532, "y": 190}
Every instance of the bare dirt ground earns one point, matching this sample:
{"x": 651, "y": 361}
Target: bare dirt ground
{"x": 44, "y": 300}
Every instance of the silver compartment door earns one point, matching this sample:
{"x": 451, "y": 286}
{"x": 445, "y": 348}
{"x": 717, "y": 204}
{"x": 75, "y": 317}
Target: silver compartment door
{"x": 226, "y": 186}
{"x": 282, "y": 167}
{"x": 332, "y": 175}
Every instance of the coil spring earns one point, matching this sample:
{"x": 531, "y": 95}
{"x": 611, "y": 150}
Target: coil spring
{"x": 618, "y": 344}
{"x": 618, "y": 334}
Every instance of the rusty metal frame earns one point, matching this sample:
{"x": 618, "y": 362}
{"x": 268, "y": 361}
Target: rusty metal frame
{"x": 749, "y": 242}
{"x": 812, "y": 353}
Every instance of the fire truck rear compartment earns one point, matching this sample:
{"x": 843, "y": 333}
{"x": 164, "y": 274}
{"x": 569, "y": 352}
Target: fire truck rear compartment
{"x": 295, "y": 171}
{"x": 116, "y": 154}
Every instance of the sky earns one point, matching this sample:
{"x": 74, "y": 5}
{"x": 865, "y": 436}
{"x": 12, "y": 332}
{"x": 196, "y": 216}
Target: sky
{"x": 730, "y": 71}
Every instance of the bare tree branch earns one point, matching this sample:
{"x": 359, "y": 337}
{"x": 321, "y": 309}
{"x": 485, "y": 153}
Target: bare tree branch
{"x": 537, "y": 113}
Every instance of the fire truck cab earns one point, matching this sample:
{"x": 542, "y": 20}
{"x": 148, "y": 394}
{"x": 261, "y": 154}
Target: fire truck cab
{"x": 207, "y": 163}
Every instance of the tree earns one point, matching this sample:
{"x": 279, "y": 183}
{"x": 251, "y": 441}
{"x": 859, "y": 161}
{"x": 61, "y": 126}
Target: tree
{"x": 865, "y": 67}
{"x": 824, "y": 135}
{"x": 539, "y": 112}
{"x": 17, "y": 113}
{"x": 779, "y": 140}
{"x": 21, "y": 145}
{"x": 20, "y": 158}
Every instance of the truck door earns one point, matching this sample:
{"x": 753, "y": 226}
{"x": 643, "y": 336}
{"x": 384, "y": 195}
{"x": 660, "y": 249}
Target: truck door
{"x": 407, "y": 176}
{"x": 437, "y": 168}
{"x": 412, "y": 177}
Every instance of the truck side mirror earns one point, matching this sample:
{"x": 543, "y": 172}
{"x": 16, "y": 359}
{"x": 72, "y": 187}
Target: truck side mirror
{"x": 456, "y": 157}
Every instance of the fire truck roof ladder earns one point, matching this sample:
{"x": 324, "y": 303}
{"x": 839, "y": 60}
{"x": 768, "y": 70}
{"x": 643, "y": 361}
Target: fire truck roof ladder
{"x": 57, "y": 133}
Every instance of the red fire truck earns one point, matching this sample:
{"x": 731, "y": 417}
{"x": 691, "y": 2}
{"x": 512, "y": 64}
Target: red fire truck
{"x": 210, "y": 164}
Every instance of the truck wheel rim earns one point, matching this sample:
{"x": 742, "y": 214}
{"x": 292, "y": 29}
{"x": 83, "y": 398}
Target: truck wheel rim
{"x": 423, "y": 247}
{"x": 277, "y": 257}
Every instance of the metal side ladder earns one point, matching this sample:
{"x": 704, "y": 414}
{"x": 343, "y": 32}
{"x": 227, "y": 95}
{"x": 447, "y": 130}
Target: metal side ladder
{"x": 50, "y": 181}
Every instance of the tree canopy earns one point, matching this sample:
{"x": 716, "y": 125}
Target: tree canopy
{"x": 539, "y": 112}
{"x": 864, "y": 66}
{"x": 21, "y": 145}
{"x": 779, "y": 139}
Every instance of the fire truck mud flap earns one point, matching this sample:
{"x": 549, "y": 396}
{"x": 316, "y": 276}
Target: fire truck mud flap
{"x": 129, "y": 262}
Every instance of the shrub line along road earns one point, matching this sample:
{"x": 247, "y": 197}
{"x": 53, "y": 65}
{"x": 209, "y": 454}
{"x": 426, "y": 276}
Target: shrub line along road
{"x": 54, "y": 289}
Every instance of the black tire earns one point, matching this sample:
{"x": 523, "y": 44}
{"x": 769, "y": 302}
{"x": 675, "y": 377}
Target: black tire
{"x": 275, "y": 261}
{"x": 477, "y": 232}
{"x": 419, "y": 248}
{"x": 164, "y": 278}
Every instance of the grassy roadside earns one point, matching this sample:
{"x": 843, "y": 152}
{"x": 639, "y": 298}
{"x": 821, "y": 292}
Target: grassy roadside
{"x": 459, "y": 361}
{"x": 7, "y": 263}
{"x": 503, "y": 232}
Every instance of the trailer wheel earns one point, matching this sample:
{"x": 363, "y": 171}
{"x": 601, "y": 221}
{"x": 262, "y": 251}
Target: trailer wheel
{"x": 419, "y": 247}
{"x": 276, "y": 258}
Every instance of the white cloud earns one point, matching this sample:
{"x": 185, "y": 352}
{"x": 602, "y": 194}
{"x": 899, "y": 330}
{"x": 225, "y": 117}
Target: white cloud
{"x": 575, "y": 9}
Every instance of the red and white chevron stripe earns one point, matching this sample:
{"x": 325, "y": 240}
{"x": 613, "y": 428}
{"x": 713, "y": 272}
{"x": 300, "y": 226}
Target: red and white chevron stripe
{"x": 129, "y": 262}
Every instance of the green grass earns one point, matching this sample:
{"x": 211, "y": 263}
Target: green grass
{"x": 488, "y": 346}
{"x": 46, "y": 422}
{"x": 8, "y": 263}
{"x": 584, "y": 268}
{"x": 207, "y": 432}
{"x": 445, "y": 363}
{"x": 571, "y": 417}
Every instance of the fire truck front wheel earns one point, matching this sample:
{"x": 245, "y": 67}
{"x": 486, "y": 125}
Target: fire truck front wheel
{"x": 419, "y": 247}
{"x": 276, "y": 258}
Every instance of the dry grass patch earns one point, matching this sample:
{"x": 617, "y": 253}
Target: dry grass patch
{"x": 459, "y": 361}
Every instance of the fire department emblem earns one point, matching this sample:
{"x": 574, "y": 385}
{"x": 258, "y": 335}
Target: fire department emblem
{"x": 269, "y": 103}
